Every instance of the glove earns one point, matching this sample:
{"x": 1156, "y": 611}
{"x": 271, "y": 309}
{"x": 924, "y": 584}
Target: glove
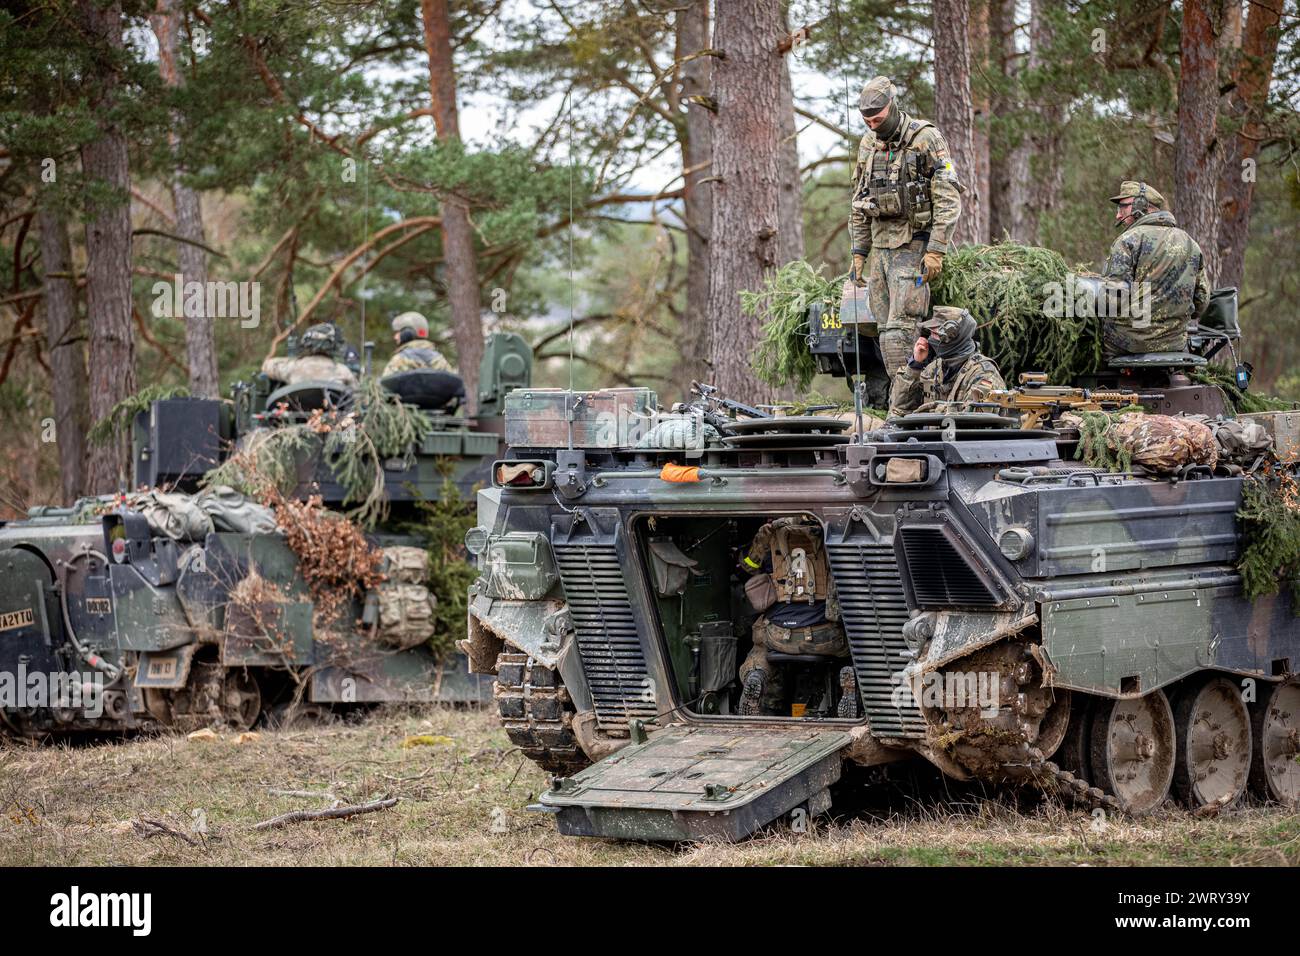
{"x": 859, "y": 269}
{"x": 933, "y": 265}
{"x": 921, "y": 351}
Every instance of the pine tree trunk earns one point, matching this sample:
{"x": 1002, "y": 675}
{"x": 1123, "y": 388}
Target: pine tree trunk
{"x": 1045, "y": 168}
{"x": 1002, "y": 53}
{"x": 1197, "y": 155}
{"x": 457, "y": 233}
{"x": 697, "y": 149}
{"x": 953, "y": 109}
{"x": 1038, "y": 170}
{"x": 980, "y": 54}
{"x": 200, "y": 341}
{"x": 64, "y": 340}
{"x": 789, "y": 182}
{"x": 1246, "y": 107}
{"x": 746, "y": 198}
{"x": 108, "y": 260}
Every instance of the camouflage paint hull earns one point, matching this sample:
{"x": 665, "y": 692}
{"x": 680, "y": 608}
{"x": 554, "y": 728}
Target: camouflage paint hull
{"x": 156, "y": 622}
{"x": 1120, "y": 587}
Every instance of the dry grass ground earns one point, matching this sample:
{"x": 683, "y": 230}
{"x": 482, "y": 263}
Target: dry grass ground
{"x": 462, "y": 803}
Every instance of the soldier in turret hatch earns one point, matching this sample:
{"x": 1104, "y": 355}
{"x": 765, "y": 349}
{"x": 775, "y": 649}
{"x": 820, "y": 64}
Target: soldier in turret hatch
{"x": 803, "y": 616}
{"x": 315, "y": 361}
{"x": 945, "y": 365}
{"x": 414, "y": 350}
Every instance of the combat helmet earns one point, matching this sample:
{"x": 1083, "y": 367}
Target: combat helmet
{"x": 880, "y": 93}
{"x": 320, "y": 339}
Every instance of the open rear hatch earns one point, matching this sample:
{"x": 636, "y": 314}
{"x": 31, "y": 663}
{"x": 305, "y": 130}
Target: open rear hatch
{"x": 696, "y": 783}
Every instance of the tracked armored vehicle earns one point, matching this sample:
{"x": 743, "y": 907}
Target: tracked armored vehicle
{"x": 184, "y": 608}
{"x": 1010, "y": 616}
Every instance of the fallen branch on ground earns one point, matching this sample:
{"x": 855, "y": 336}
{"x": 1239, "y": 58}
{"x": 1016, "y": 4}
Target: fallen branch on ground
{"x": 335, "y": 813}
{"x": 151, "y": 828}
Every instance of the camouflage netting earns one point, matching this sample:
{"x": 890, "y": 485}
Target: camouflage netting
{"x": 1270, "y": 527}
{"x": 1004, "y": 286}
{"x": 336, "y": 560}
{"x": 356, "y": 441}
{"x": 450, "y": 573}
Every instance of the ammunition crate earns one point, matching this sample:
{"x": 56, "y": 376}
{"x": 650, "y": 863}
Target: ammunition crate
{"x": 608, "y": 418}
{"x": 459, "y": 443}
{"x": 1284, "y": 427}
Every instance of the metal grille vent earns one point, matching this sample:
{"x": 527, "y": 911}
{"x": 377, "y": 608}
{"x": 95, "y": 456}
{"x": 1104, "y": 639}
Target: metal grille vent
{"x": 874, "y": 610}
{"x": 606, "y": 633}
{"x": 939, "y": 573}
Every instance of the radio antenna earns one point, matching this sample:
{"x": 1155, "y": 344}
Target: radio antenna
{"x": 365, "y": 235}
{"x": 858, "y": 383}
{"x": 569, "y": 411}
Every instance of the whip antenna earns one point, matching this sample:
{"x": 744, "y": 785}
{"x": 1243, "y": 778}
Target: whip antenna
{"x": 365, "y": 236}
{"x": 858, "y": 382}
{"x": 569, "y": 412}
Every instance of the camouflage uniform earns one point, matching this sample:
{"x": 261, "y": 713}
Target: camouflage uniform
{"x": 417, "y": 353}
{"x": 805, "y": 616}
{"x": 894, "y": 242}
{"x": 1157, "y": 258}
{"x": 914, "y": 388}
{"x": 955, "y": 372}
{"x": 308, "y": 368}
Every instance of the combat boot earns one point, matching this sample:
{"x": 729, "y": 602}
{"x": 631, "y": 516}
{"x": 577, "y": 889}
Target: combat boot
{"x": 849, "y": 698}
{"x": 751, "y": 701}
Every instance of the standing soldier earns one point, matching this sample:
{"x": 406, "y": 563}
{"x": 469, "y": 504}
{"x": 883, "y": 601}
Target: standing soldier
{"x": 906, "y": 200}
{"x": 1165, "y": 272}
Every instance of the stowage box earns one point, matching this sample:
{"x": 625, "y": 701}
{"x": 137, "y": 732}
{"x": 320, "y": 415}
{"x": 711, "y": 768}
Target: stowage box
{"x": 608, "y": 418}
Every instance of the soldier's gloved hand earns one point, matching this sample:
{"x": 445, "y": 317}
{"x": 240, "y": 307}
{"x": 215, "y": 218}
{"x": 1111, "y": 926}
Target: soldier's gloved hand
{"x": 933, "y": 265}
{"x": 858, "y": 275}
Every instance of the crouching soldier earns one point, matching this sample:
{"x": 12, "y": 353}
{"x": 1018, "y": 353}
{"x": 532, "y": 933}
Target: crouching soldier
{"x": 800, "y": 615}
{"x": 945, "y": 365}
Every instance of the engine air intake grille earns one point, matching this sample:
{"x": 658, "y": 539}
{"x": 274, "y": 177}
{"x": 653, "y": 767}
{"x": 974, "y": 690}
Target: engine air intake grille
{"x": 874, "y": 610}
{"x": 606, "y": 632}
{"x": 939, "y": 573}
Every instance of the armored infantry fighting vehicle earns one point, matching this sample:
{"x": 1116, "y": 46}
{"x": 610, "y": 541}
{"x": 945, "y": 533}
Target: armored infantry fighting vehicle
{"x": 1009, "y": 614}
{"x": 181, "y": 608}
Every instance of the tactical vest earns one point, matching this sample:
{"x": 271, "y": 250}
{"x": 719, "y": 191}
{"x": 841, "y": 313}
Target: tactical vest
{"x": 897, "y": 185}
{"x": 799, "y": 569}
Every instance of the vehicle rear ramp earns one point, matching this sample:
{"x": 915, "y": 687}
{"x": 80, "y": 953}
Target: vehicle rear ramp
{"x": 699, "y": 783}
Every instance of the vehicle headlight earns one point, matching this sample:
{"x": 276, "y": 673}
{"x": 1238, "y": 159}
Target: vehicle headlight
{"x": 1016, "y": 543}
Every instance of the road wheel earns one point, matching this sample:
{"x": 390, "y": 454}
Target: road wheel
{"x": 1132, "y": 750}
{"x": 1275, "y": 765}
{"x": 1213, "y": 757}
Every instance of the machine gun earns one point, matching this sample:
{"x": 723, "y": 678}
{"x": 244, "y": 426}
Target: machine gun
{"x": 718, "y": 411}
{"x": 1037, "y": 403}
